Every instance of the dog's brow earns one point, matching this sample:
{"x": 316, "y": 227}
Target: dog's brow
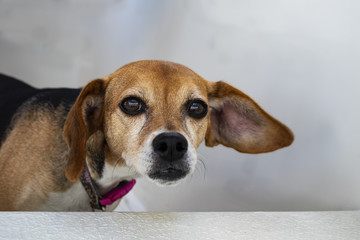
{"x": 196, "y": 95}
{"x": 135, "y": 92}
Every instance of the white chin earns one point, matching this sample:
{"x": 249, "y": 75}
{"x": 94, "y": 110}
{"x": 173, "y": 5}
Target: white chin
{"x": 166, "y": 183}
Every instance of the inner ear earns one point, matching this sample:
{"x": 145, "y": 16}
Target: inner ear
{"x": 234, "y": 121}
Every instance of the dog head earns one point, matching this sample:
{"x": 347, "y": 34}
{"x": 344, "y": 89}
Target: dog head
{"x": 152, "y": 116}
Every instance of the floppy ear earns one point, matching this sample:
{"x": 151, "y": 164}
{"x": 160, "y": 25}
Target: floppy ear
{"x": 238, "y": 122}
{"x": 84, "y": 118}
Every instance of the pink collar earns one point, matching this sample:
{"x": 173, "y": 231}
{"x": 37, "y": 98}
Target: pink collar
{"x": 98, "y": 202}
{"x": 117, "y": 193}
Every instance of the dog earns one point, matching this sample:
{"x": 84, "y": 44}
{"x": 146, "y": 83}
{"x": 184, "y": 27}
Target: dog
{"x": 82, "y": 149}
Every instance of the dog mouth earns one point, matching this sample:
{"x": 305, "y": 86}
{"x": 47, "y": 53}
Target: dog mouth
{"x": 168, "y": 174}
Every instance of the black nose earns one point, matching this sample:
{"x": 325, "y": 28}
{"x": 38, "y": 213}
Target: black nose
{"x": 170, "y": 146}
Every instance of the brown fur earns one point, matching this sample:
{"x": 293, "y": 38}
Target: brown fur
{"x": 95, "y": 127}
{"x": 84, "y": 119}
{"x": 30, "y": 171}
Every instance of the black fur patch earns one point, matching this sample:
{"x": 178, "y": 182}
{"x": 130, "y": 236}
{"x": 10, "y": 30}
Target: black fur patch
{"x": 15, "y": 95}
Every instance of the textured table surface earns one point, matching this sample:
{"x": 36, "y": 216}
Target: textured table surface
{"x": 228, "y": 225}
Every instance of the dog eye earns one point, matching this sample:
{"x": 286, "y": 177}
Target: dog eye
{"x": 132, "y": 106}
{"x": 196, "y": 108}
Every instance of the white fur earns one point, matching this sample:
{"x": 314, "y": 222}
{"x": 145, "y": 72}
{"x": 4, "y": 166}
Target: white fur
{"x": 73, "y": 199}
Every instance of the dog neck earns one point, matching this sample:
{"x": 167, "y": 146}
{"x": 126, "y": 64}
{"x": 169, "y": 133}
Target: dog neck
{"x": 99, "y": 202}
{"x": 106, "y": 184}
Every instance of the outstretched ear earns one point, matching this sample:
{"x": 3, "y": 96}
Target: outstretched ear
{"x": 238, "y": 122}
{"x": 84, "y": 118}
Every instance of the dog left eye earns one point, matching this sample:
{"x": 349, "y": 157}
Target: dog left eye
{"x": 196, "y": 108}
{"x": 132, "y": 106}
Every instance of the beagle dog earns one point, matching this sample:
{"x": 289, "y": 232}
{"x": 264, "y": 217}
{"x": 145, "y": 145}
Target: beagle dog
{"x": 81, "y": 149}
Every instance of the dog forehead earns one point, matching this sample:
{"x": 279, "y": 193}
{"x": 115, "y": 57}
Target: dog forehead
{"x": 155, "y": 66}
{"x": 156, "y": 79}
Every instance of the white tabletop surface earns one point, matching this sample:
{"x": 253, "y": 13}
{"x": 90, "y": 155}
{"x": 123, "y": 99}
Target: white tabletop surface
{"x": 199, "y": 225}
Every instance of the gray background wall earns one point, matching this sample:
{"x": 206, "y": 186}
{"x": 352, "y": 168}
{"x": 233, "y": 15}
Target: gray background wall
{"x": 298, "y": 59}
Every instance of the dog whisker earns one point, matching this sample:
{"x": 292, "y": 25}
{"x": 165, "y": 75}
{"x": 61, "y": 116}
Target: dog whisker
{"x": 200, "y": 169}
{"x": 131, "y": 170}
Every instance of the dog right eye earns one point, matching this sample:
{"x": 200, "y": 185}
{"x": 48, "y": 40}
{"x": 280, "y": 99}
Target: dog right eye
{"x": 132, "y": 106}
